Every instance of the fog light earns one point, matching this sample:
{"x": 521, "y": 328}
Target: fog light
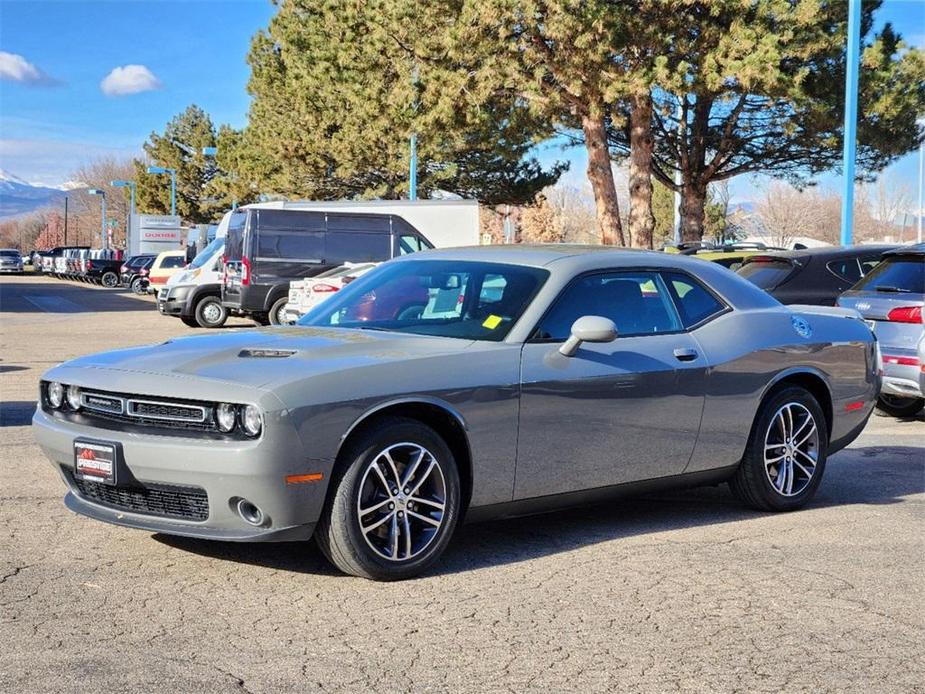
{"x": 73, "y": 397}
{"x": 55, "y": 394}
{"x": 224, "y": 417}
{"x": 251, "y": 420}
{"x": 250, "y": 513}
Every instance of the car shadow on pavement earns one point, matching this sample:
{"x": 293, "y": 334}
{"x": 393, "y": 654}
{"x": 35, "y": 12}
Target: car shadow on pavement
{"x": 65, "y": 297}
{"x": 16, "y": 413}
{"x": 872, "y": 475}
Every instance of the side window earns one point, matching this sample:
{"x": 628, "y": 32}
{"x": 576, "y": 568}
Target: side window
{"x": 409, "y": 243}
{"x": 868, "y": 264}
{"x": 173, "y": 261}
{"x": 294, "y": 245}
{"x": 846, "y": 269}
{"x": 694, "y": 302}
{"x": 637, "y": 302}
{"x": 356, "y": 247}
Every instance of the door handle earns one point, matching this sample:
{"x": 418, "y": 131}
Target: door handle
{"x": 685, "y": 354}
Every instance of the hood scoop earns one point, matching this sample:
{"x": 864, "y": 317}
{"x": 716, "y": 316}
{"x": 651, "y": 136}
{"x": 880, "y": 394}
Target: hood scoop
{"x": 266, "y": 353}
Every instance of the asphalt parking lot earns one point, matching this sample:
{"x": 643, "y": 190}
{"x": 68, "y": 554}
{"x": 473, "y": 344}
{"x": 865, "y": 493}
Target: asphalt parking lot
{"x": 675, "y": 592}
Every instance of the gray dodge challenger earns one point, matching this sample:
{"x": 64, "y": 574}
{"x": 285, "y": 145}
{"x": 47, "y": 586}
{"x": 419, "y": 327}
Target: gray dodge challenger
{"x": 463, "y": 384}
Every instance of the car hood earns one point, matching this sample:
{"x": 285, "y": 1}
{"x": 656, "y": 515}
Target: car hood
{"x": 260, "y": 358}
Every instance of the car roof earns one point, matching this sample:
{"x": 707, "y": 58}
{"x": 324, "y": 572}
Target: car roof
{"x": 569, "y": 260}
{"x": 827, "y": 252}
{"x": 914, "y": 249}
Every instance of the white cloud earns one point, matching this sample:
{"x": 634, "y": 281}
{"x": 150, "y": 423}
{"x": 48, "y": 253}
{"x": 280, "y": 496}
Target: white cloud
{"x": 129, "y": 79}
{"x": 15, "y": 68}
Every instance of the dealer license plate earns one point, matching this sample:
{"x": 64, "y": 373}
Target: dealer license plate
{"x": 95, "y": 461}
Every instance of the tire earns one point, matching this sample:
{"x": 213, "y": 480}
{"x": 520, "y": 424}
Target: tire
{"x": 109, "y": 280}
{"x": 790, "y": 475}
{"x": 137, "y": 286}
{"x": 190, "y": 321}
{"x": 210, "y": 313}
{"x": 277, "y": 314}
{"x": 895, "y": 406}
{"x": 361, "y": 480}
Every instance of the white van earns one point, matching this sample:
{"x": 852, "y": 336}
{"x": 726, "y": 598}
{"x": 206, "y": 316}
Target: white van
{"x": 194, "y": 295}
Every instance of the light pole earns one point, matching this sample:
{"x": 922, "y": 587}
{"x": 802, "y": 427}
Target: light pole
{"x": 852, "y": 58}
{"x": 173, "y": 185}
{"x": 104, "y": 241}
{"x": 131, "y": 189}
{"x": 921, "y": 123}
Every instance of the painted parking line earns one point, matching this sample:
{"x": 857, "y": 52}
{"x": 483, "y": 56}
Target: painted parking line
{"x": 53, "y": 304}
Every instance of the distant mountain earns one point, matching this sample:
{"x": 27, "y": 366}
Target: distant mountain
{"x": 18, "y": 196}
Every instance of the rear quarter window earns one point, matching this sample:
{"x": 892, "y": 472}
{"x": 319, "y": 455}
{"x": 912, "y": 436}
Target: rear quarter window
{"x": 695, "y": 302}
{"x": 766, "y": 274}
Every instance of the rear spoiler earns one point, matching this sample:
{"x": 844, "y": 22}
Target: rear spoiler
{"x": 837, "y": 311}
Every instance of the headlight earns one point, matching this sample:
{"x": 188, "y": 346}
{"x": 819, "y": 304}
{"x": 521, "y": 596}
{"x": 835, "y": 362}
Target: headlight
{"x": 224, "y": 417}
{"x": 73, "y": 397}
{"x": 55, "y": 394}
{"x": 251, "y": 420}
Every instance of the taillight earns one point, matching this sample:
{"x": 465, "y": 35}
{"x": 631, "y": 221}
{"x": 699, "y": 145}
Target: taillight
{"x": 905, "y": 314}
{"x": 89, "y": 264}
{"x": 122, "y": 270}
{"x": 245, "y": 270}
{"x": 324, "y": 288}
{"x": 143, "y": 272}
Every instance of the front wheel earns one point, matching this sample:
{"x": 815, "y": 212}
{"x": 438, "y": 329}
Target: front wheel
{"x": 895, "y": 406}
{"x": 392, "y": 511}
{"x": 189, "y": 321}
{"x": 210, "y": 313}
{"x": 786, "y": 453}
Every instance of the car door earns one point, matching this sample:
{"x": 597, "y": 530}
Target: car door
{"x": 615, "y": 412}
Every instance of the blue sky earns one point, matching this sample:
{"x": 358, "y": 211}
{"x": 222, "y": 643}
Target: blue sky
{"x": 194, "y": 52}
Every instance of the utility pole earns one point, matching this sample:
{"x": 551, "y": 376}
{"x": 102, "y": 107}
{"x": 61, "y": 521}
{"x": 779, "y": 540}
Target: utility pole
{"x": 65, "y": 220}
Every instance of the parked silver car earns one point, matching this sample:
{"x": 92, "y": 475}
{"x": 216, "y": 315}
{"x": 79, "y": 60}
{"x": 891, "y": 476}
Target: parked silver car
{"x": 891, "y": 298}
{"x": 528, "y": 378}
{"x": 10, "y": 260}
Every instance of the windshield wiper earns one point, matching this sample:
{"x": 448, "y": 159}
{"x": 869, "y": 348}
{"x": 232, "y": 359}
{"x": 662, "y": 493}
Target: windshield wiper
{"x": 894, "y": 290}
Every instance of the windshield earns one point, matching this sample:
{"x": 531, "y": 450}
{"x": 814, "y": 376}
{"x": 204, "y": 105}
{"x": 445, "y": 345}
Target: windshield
{"x": 207, "y": 253}
{"x": 12, "y": 254}
{"x": 468, "y": 300}
{"x": 896, "y": 273}
{"x": 766, "y": 273}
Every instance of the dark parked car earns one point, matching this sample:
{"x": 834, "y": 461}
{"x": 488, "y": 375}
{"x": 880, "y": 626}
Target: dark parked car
{"x": 811, "y": 275}
{"x": 103, "y": 271}
{"x": 891, "y": 299}
{"x": 267, "y": 248}
{"x": 134, "y": 272}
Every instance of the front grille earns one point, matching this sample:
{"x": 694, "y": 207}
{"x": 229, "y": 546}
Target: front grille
{"x": 148, "y": 409}
{"x": 168, "y": 501}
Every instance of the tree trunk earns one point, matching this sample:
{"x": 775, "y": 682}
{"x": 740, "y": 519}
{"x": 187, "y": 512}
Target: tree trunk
{"x": 693, "y": 201}
{"x": 641, "y": 221}
{"x": 601, "y": 176}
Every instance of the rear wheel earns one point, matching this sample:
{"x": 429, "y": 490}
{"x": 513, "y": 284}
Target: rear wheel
{"x": 391, "y": 512}
{"x": 109, "y": 279}
{"x": 277, "y": 313}
{"x": 895, "y": 406}
{"x": 138, "y": 285}
{"x": 210, "y": 313}
{"x": 786, "y": 453}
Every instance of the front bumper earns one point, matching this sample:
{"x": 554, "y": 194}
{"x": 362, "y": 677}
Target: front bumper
{"x": 225, "y": 470}
{"x": 171, "y": 301}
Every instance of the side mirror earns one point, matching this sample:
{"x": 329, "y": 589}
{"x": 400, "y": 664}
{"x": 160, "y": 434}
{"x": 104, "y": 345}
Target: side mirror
{"x": 589, "y": 329}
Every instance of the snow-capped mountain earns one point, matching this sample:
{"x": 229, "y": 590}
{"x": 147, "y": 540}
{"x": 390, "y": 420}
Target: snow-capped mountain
{"x": 18, "y": 196}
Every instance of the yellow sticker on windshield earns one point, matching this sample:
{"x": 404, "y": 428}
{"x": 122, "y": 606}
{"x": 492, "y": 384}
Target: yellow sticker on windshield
{"x": 492, "y": 322}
